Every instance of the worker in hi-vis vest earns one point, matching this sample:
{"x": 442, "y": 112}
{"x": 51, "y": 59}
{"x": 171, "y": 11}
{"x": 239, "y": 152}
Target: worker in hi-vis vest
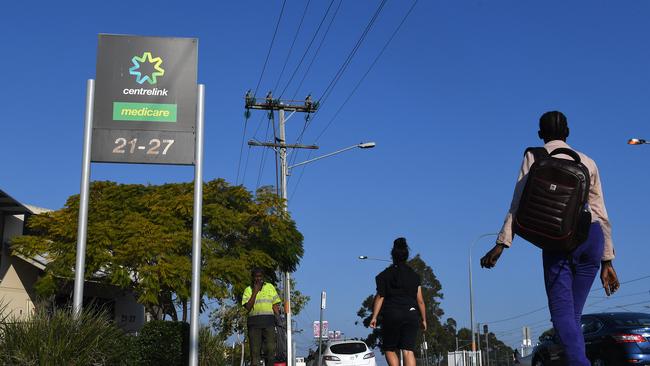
{"x": 261, "y": 300}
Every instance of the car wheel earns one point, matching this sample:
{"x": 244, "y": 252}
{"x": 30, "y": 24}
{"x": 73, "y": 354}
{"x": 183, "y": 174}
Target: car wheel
{"x": 538, "y": 362}
{"x": 598, "y": 362}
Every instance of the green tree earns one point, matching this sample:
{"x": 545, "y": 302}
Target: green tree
{"x": 140, "y": 239}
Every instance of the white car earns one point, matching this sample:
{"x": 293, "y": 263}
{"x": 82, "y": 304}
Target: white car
{"x": 346, "y": 353}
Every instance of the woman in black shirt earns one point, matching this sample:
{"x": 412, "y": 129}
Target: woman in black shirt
{"x": 399, "y": 301}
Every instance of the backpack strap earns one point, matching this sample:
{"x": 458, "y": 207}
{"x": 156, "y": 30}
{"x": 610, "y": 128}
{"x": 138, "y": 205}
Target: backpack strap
{"x": 539, "y": 153}
{"x": 565, "y": 151}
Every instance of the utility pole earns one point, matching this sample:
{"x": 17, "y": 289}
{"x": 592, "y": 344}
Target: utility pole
{"x": 487, "y": 345}
{"x": 280, "y": 147}
{"x": 478, "y": 342}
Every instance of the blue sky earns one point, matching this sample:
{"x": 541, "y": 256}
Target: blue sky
{"x": 452, "y": 104}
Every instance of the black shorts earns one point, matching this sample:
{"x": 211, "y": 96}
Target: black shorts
{"x": 399, "y": 329}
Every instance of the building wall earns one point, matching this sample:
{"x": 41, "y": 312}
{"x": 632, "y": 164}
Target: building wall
{"x": 17, "y": 277}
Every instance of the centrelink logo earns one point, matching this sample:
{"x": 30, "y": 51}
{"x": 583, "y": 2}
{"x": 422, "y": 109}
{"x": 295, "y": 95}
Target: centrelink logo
{"x": 152, "y": 78}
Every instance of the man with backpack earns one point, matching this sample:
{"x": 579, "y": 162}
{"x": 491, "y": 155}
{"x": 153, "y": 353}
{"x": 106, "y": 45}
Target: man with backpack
{"x": 558, "y": 205}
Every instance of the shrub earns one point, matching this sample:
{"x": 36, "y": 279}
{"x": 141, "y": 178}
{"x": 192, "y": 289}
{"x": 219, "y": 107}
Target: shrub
{"x": 60, "y": 338}
{"x": 211, "y": 348}
{"x": 163, "y": 343}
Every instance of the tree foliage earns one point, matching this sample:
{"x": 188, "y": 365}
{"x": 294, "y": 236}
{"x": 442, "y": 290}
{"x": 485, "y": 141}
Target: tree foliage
{"x": 140, "y": 239}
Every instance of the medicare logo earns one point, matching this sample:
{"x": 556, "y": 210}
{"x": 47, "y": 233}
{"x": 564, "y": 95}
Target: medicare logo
{"x": 135, "y": 69}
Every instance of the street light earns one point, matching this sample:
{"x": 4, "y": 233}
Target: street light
{"x": 285, "y": 171}
{"x": 471, "y": 291}
{"x": 637, "y": 142}
{"x": 362, "y": 145}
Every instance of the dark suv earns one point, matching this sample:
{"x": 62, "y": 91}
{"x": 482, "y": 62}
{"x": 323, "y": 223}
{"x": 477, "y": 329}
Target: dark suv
{"x": 610, "y": 339}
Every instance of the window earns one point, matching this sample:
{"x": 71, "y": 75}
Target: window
{"x": 590, "y": 325}
{"x": 631, "y": 320}
{"x": 348, "y": 348}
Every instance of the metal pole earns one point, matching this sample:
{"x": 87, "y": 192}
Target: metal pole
{"x": 82, "y": 230}
{"x": 471, "y": 292}
{"x": 478, "y": 336}
{"x": 196, "y": 231}
{"x": 487, "y": 350}
{"x": 287, "y": 275}
{"x": 426, "y": 353}
{"x": 471, "y": 301}
{"x": 320, "y": 337}
{"x": 241, "y": 359}
{"x": 324, "y": 156}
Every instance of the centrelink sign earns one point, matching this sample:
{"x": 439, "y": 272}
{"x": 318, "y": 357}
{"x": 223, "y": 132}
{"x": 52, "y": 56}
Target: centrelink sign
{"x": 145, "y": 100}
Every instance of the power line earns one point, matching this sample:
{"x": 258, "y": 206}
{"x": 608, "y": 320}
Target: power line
{"x": 624, "y": 283}
{"x": 330, "y": 87}
{"x": 327, "y": 30}
{"x": 646, "y": 292}
{"x": 606, "y": 299}
{"x": 545, "y": 322}
{"x": 248, "y": 153}
{"x": 268, "y": 54}
{"x": 261, "y": 169}
{"x": 518, "y": 316}
{"x": 295, "y": 36}
{"x": 259, "y": 81}
{"x": 241, "y": 149}
{"x": 320, "y": 45}
{"x": 307, "y": 49}
{"x": 354, "y": 89}
{"x": 372, "y": 65}
{"x": 625, "y": 305}
{"x": 545, "y": 307}
{"x": 516, "y": 329}
{"x": 342, "y": 68}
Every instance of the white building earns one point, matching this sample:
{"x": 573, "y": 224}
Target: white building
{"x": 18, "y": 275}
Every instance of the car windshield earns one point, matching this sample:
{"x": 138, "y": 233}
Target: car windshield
{"x": 348, "y": 348}
{"x": 632, "y": 320}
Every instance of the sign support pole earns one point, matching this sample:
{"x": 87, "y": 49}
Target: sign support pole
{"x": 82, "y": 230}
{"x": 196, "y": 231}
{"x": 320, "y": 332}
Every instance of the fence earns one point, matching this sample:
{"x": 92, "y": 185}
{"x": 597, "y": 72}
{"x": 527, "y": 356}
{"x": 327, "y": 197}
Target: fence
{"x": 464, "y": 358}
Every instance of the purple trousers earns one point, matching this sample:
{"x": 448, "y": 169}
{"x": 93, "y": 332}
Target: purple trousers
{"x": 568, "y": 279}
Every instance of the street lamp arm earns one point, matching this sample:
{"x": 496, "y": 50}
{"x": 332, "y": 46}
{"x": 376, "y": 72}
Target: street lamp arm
{"x": 361, "y": 145}
{"x": 364, "y": 257}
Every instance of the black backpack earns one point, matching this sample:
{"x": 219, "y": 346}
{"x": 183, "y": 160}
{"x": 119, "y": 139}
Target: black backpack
{"x": 553, "y": 213}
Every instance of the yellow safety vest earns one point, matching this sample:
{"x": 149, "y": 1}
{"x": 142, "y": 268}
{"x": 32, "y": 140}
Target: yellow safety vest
{"x": 264, "y": 301}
